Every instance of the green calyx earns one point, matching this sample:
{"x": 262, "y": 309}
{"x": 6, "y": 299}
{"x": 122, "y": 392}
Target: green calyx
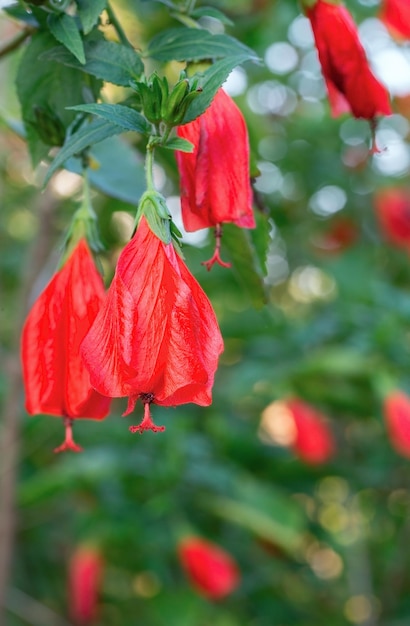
{"x": 83, "y": 226}
{"x": 154, "y": 208}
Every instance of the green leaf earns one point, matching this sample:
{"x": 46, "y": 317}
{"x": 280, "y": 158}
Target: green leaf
{"x": 120, "y": 170}
{"x": 212, "y": 12}
{"x": 64, "y": 28}
{"x": 48, "y": 85}
{"x": 17, "y": 12}
{"x": 87, "y": 136}
{"x": 89, "y": 12}
{"x": 177, "y": 143}
{"x": 107, "y": 60}
{"x": 261, "y": 239}
{"x": 118, "y": 114}
{"x": 210, "y": 82}
{"x": 263, "y": 510}
{"x": 238, "y": 243}
{"x": 193, "y": 44}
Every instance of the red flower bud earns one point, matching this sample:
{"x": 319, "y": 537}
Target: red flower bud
{"x": 156, "y": 337}
{"x": 351, "y": 85}
{"x": 55, "y": 378}
{"x": 396, "y": 16}
{"x": 84, "y": 582}
{"x": 215, "y": 178}
{"x": 397, "y": 418}
{"x": 313, "y": 441}
{"x": 392, "y": 207}
{"x": 210, "y": 569}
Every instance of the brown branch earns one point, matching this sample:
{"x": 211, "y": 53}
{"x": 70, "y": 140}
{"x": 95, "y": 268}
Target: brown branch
{"x": 9, "y": 435}
{"x": 14, "y": 43}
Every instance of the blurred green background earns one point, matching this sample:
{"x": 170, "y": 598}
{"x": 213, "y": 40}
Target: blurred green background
{"x": 316, "y": 545}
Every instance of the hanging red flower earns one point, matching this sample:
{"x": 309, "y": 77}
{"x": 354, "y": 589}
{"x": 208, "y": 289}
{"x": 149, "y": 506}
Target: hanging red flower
{"x": 215, "y": 179}
{"x": 396, "y": 16}
{"x": 392, "y": 208}
{"x": 210, "y": 569}
{"x": 313, "y": 441}
{"x": 55, "y": 378}
{"x": 351, "y": 85}
{"x": 84, "y": 582}
{"x": 156, "y": 337}
{"x": 397, "y": 418}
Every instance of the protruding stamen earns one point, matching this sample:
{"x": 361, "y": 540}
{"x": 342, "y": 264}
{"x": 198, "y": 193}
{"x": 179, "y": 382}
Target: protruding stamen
{"x": 216, "y": 257}
{"x": 147, "y": 423}
{"x": 69, "y": 443}
{"x": 374, "y": 148}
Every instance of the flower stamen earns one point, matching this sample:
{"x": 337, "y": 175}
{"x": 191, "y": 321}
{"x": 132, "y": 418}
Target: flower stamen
{"x": 147, "y": 422}
{"x": 68, "y": 443}
{"x": 216, "y": 257}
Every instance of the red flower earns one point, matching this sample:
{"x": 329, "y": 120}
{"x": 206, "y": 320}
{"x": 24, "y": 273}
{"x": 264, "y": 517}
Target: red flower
{"x": 392, "y": 207}
{"x": 350, "y": 83}
{"x": 210, "y": 569}
{"x": 156, "y": 337}
{"x": 396, "y": 16}
{"x": 397, "y": 418}
{"x": 215, "y": 179}
{"x": 55, "y": 379}
{"x": 84, "y": 582}
{"x": 313, "y": 441}
{"x": 340, "y": 235}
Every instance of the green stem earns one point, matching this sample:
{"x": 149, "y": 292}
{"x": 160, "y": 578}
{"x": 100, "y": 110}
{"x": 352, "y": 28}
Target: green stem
{"x": 14, "y": 43}
{"x": 149, "y": 165}
{"x": 119, "y": 29}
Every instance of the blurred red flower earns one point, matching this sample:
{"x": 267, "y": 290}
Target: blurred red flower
{"x": 156, "y": 337}
{"x": 340, "y": 235}
{"x": 84, "y": 582}
{"x": 215, "y": 177}
{"x": 313, "y": 441}
{"x": 55, "y": 378}
{"x": 396, "y": 16}
{"x": 392, "y": 206}
{"x": 351, "y": 85}
{"x": 397, "y": 418}
{"x": 210, "y": 569}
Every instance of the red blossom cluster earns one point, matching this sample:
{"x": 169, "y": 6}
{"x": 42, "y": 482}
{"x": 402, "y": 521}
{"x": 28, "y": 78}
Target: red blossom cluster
{"x": 154, "y": 336}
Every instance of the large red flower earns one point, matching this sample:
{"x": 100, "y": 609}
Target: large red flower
{"x": 396, "y": 16}
{"x": 215, "y": 178}
{"x": 55, "y": 378}
{"x": 397, "y": 418}
{"x": 156, "y": 337}
{"x": 313, "y": 441}
{"x": 84, "y": 582}
{"x": 392, "y": 206}
{"x": 351, "y": 85}
{"x": 211, "y": 570}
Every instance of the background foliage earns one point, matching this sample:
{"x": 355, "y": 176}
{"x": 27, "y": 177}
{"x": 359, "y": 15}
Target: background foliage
{"x": 315, "y": 545}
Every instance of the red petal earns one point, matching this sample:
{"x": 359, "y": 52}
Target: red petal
{"x": 157, "y": 333}
{"x": 314, "y": 441}
{"x": 396, "y": 16}
{"x": 211, "y": 570}
{"x": 55, "y": 378}
{"x": 344, "y": 63}
{"x": 215, "y": 184}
